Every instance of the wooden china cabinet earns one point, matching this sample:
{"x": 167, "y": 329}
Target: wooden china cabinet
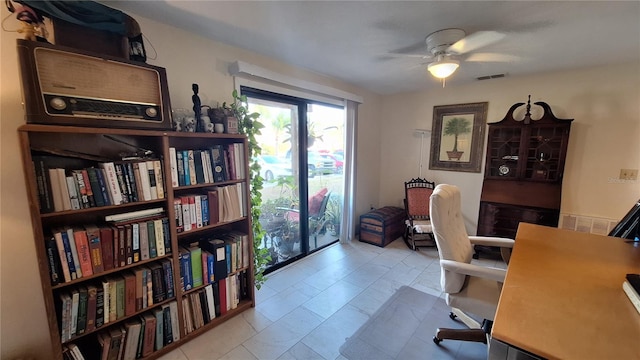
{"x": 524, "y": 171}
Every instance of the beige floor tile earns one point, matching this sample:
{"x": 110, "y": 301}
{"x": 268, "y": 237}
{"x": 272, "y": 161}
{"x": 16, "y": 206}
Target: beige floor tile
{"x": 280, "y": 336}
{"x": 333, "y": 298}
{"x": 282, "y": 303}
{"x": 327, "y": 338}
{"x": 239, "y": 353}
{"x": 218, "y": 341}
{"x": 300, "y": 351}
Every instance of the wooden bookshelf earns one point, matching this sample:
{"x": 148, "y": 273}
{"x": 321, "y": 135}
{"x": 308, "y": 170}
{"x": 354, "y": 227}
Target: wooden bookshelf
{"x": 88, "y": 144}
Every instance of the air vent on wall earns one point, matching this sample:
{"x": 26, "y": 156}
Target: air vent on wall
{"x": 496, "y": 76}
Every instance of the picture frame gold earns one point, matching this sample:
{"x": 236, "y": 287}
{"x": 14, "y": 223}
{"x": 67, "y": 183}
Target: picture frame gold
{"x": 457, "y": 137}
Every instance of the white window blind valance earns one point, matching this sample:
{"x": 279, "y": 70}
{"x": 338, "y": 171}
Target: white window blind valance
{"x": 258, "y": 77}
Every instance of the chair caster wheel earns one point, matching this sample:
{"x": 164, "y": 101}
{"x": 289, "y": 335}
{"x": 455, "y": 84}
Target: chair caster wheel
{"x": 436, "y": 340}
{"x": 452, "y": 316}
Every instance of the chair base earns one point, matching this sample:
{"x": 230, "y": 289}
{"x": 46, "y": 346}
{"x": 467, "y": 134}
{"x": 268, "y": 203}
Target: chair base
{"x": 475, "y": 335}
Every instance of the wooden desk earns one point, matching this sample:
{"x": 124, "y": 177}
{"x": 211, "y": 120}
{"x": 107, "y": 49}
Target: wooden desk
{"x": 563, "y": 298}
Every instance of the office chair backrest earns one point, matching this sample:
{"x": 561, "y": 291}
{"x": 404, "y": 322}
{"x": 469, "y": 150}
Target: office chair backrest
{"x": 450, "y": 233}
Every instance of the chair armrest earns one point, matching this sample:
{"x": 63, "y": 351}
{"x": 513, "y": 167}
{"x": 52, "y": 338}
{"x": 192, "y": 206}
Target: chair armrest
{"x": 492, "y": 241}
{"x": 474, "y": 270}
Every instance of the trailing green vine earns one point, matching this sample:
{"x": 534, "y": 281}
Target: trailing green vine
{"x": 249, "y": 125}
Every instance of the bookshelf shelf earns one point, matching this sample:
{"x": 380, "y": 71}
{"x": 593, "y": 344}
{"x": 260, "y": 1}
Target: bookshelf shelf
{"x": 150, "y": 247}
{"x": 121, "y": 207}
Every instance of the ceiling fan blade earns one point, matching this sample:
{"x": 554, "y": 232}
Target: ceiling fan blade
{"x": 475, "y": 41}
{"x": 492, "y": 57}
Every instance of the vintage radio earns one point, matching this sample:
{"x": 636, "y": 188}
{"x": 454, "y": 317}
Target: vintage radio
{"x": 72, "y": 87}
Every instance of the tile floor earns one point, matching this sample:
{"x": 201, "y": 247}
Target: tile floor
{"x": 307, "y": 309}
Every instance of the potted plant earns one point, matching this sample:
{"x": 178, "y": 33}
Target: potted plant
{"x": 249, "y": 125}
{"x": 455, "y": 127}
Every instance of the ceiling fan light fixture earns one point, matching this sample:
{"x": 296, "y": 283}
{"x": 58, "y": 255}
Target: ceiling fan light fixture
{"x": 443, "y": 68}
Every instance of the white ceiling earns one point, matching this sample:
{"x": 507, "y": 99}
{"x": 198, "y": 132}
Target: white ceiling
{"x": 351, "y": 40}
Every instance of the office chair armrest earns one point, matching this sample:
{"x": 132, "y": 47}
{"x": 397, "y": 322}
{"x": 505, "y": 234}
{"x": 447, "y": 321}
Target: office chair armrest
{"x": 474, "y": 270}
{"x": 492, "y": 241}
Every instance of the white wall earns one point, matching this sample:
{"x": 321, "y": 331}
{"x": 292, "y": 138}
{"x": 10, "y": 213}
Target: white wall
{"x": 188, "y": 59}
{"x": 605, "y": 135}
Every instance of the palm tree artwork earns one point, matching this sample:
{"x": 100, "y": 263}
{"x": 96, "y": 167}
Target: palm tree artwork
{"x": 455, "y": 127}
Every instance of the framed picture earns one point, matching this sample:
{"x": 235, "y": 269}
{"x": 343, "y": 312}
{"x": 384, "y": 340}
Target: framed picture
{"x": 457, "y": 137}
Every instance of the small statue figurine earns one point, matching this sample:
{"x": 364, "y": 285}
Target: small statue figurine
{"x": 197, "y": 109}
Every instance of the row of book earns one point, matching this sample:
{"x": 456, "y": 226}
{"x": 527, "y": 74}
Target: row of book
{"x": 77, "y": 252}
{"x": 206, "y": 166}
{"x": 137, "y": 338}
{"x": 215, "y": 299}
{"x": 224, "y": 203}
{"x": 206, "y": 261}
{"x": 631, "y": 287}
{"x": 108, "y": 183}
{"x": 88, "y": 307}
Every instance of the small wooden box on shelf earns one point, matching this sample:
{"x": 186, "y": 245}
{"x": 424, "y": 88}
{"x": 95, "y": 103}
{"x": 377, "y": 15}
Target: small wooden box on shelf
{"x": 109, "y": 222}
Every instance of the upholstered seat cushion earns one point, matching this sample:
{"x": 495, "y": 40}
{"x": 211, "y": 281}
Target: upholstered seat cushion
{"x": 420, "y": 226}
{"x": 479, "y": 296}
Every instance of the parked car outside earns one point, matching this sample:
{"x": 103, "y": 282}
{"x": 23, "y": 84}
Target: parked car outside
{"x": 272, "y": 167}
{"x": 337, "y": 159}
{"x": 319, "y": 164}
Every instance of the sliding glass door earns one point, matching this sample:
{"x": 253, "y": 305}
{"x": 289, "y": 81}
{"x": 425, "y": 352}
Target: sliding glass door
{"x": 302, "y": 158}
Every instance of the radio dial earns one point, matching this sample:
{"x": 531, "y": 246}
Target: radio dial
{"x": 151, "y": 112}
{"x": 58, "y": 103}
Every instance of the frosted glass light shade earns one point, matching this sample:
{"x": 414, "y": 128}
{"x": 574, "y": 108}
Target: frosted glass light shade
{"x": 443, "y": 68}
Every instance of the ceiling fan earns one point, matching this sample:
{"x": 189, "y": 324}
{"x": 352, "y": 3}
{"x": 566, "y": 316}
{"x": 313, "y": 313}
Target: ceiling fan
{"x": 444, "y": 47}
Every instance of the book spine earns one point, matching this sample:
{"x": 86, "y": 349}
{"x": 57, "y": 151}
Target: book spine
{"x": 43, "y": 182}
{"x": 73, "y": 192}
{"x": 95, "y": 186}
{"x": 157, "y": 168}
{"x": 99, "y": 321}
{"x": 173, "y": 307}
{"x": 153, "y": 188}
{"x": 130, "y": 180}
{"x": 121, "y": 182}
{"x": 198, "y": 169}
{"x": 112, "y": 183}
{"x": 151, "y": 231}
{"x": 168, "y": 278}
{"x": 68, "y": 255}
{"x": 135, "y": 233}
{"x": 83, "y": 251}
{"x": 82, "y": 310}
{"x": 173, "y": 161}
{"x": 143, "y": 174}
{"x": 166, "y": 233}
{"x": 185, "y": 166}
{"x": 192, "y": 168}
{"x": 53, "y": 259}
{"x": 144, "y": 241}
{"x": 180, "y": 167}
{"x": 104, "y": 187}
{"x": 167, "y": 326}
{"x": 159, "y": 232}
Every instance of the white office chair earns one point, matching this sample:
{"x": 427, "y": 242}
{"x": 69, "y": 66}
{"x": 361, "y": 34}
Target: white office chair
{"x": 469, "y": 288}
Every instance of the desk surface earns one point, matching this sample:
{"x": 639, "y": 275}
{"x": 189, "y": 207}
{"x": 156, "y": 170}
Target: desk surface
{"x": 563, "y": 298}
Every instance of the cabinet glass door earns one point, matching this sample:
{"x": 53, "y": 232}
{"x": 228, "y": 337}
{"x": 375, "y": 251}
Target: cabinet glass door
{"x": 503, "y": 152}
{"x": 544, "y": 153}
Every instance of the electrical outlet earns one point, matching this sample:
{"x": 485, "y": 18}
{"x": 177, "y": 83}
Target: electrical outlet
{"x": 628, "y": 174}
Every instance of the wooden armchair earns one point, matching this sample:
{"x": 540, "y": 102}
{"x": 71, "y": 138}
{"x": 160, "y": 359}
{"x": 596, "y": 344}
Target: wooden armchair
{"x": 418, "y": 230}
